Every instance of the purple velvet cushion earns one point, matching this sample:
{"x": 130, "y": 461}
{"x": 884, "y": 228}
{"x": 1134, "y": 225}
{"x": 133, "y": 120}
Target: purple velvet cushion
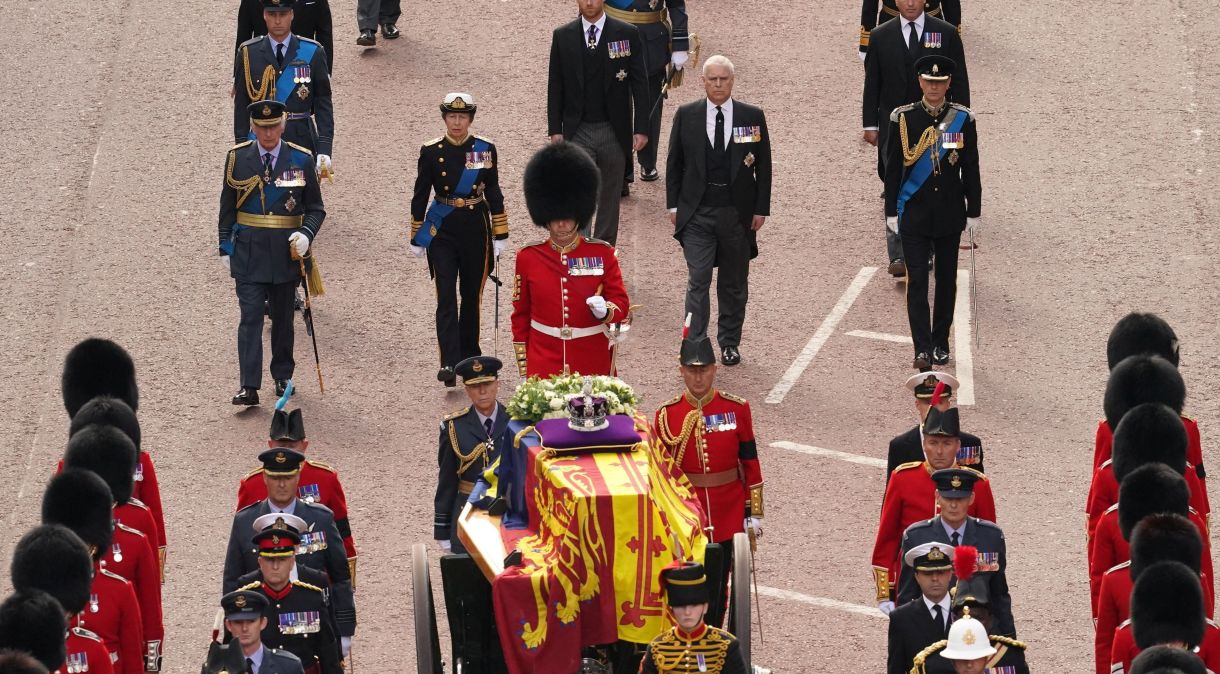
{"x": 619, "y": 436}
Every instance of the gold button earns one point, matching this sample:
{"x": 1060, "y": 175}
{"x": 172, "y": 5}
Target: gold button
{"x": 441, "y": 160}
{"x": 443, "y": 174}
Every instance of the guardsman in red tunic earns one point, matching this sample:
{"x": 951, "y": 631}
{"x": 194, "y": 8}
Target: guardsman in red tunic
{"x": 319, "y": 482}
{"x": 32, "y": 622}
{"x": 910, "y": 497}
{"x": 54, "y": 560}
{"x": 99, "y": 367}
{"x": 710, "y": 434}
{"x": 1166, "y": 609}
{"x": 1157, "y": 538}
{"x": 569, "y": 302}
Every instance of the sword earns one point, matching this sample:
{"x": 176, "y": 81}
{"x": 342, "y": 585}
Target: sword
{"x": 754, "y": 578}
{"x": 974, "y": 294}
{"x": 308, "y": 316}
{"x": 672, "y": 73}
{"x": 495, "y": 266}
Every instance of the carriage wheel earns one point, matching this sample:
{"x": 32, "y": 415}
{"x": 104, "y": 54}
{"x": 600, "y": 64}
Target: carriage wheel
{"x": 739, "y": 625}
{"x": 427, "y": 642}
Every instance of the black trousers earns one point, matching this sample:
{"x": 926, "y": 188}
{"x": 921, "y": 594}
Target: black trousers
{"x": 714, "y": 238}
{"x": 460, "y": 258}
{"x": 371, "y": 13}
{"x": 251, "y": 298}
{"x": 648, "y": 156}
{"x": 930, "y": 333}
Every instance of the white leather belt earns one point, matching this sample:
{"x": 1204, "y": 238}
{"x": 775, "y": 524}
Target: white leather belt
{"x": 568, "y": 333}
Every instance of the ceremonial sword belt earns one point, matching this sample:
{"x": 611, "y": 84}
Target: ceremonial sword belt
{"x": 465, "y": 487}
{"x": 567, "y": 333}
{"x": 462, "y": 202}
{"x": 300, "y": 115}
{"x": 269, "y": 221}
{"x": 891, "y": 11}
{"x": 639, "y": 18}
{"x": 709, "y": 480}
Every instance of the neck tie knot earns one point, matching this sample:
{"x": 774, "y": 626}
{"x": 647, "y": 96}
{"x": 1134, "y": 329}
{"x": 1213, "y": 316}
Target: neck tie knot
{"x": 487, "y": 426}
{"x": 955, "y": 539}
{"x": 592, "y": 37}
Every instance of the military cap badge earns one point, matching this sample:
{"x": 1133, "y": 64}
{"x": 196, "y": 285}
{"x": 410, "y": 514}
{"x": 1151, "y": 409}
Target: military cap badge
{"x": 240, "y": 602}
{"x": 935, "y": 68}
{"x": 280, "y": 457}
{"x": 968, "y": 638}
{"x": 267, "y": 110}
{"x": 935, "y": 555}
{"x": 458, "y": 103}
{"x": 279, "y": 523}
{"x": 275, "y": 540}
{"x": 955, "y": 482}
{"x": 476, "y": 366}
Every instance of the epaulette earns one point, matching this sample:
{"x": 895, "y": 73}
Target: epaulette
{"x": 453, "y": 415}
{"x": 1007, "y": 641}
{"x": 108, "y": 572}
{"x": 298, "y": 147}
{"x": 124, "y": 527}
{"x": 901, "y": 109}
{"x": 319, "y": 464}
{"x": 251, "y": 586}
{"x": 962, "y": 108}
{"x": 434, "y": 141}
{"x": 137, "y": 503}
{"x": 921, "y": 523}
{"x": 929, "y": 652}
{"x": 726, "y": 636}
{"x": 604, "y": 243}
{"x": 252, "y": 473}
{"x": 485, "y": 139}
{"x": 907, "y": 466}
{"x": 987, "y": 524}
{"x": 86, "y": 634}
{"x": 732, "y": 398}
{"x": 1188, "y": 418}
{"x": 302, "y": 38}
{"x": 672, "y": 401}
{"x": 976, "y": 472}
{"x": 319, "y": 506}
{"x": 249, "y": 506}
{"x": 307, "y": 586}
{"x": 251, "y": 42}
{"x": 1116, "y": 567}
{"x": 240, "y": 145}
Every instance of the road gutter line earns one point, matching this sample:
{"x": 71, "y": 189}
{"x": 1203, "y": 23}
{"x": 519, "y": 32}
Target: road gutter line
{"x": 962, "y": 337}
{"x": 830, "y": 454}
{"x": 820, "y": 602}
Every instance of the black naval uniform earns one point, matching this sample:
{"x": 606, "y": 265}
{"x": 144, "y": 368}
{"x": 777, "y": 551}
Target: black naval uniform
{"x": 713, "y": 650}
{"x": 935, "y": 216}
{"x": 305, "y": 91}
{"x": 663, "y": 31}
{"x": 909, "y": 447}
{"x": 323, "y": 551}
{"x": 466, "y": 450}
{"x": 298, "y": 621}
{"x": 259, "y": 211}
{"x": 460, "y": 254}
{"x": 310, "y": 18}
{"x": 872, "y": 15}
{"x": 989, "y": 540}
{"x": 1009, "y": 657}
{"x": 911, "y": 630}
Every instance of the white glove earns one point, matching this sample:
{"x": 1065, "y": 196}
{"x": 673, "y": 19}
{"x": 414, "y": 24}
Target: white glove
{"x": 345, "y": 643}
{"x": 863, "y": 55}
{"x": 754, "y": 524}
{"x": 891, "y": 223}
{"x": 597, "y": 304}
{"x": 224, "y": 259}
{"x": 446, "y": 546}
{"x": 887, "y": 607}
{"x": 418, "y": 251}
{"x": 972, "y": 226}
{"x": 679, "y": 59}
{"x": 498, "y": 246}
{"x": 300, "y": 243}
{"x": 324, "y": 160}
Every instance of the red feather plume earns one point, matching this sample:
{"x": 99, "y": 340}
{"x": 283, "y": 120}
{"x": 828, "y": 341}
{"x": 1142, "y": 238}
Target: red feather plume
{"x": 965, "y": 559}
{"x": 937, "y": 392}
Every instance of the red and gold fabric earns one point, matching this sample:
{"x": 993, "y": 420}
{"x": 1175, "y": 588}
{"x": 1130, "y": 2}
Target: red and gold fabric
{"x": 1103, "y": 493}
{"x": 319, "y": 483}
{"x": 113, "y": 614}
{"x": 910, "y": 497}
{"x": 554, "y": 332}
{"x": 712, "y": 441}
{"x": 606, "y": 526}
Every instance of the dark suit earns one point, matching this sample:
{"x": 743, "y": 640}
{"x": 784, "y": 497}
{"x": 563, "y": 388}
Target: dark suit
{"x": 311, "y": 114}
{"x": 310, "y": 18}
{"x": 912, "y": 629}
{"x": 987, "y": 538}
{"x": 713, "y": 222}
{"x": 465, "y": 451}
{"x": 909, "y": 447}
{"x": 872, "y": 15}
{"x": 241, "y": 556}
{"x": 277, "y": 661}
{"x": 259, "y": 258}
{"x": 599, "y": 115}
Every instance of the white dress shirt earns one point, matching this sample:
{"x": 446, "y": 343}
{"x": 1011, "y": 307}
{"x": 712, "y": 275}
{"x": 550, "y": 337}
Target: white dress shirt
{"x": 944, "y": 608}
{"x": 601, "y": 28}
{"x": 275, "y": 45}
{"x": 727, "y": 109}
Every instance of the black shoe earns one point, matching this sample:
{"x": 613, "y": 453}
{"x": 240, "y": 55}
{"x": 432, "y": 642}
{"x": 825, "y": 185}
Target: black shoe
{"x": 497, "y": 507}
{"x": 389, "y": 31}
{"x": 281, "y": 385}
{"x": 897, "y": 267}
{"x": 940, "y": 356}
{"x": 649, "y": 175}
{"x": 447, "y": 376}
{"x": 626, "y": 189}
{"x": 922, "y": 362}
{"x": 246, "y": 396}
{"x": 368, "y": 38}
{"x": 730, "y": 356}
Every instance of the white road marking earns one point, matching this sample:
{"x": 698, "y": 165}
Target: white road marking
{"x": 831, "y": 454}
{"x": 882, "y": 336}
{"x": 821, "y": 602}
{"x": 962, "y": 339}
{"x": 819, "y": 338}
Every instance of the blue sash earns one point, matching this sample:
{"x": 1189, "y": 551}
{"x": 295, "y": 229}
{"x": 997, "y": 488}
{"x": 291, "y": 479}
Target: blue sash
{"x": 923, "y": 166}
{"x": 284, "y": 86}
{"x": 620, "y": 4}
{"x": 437, "y": 212}
{"x": 271, "y": 195}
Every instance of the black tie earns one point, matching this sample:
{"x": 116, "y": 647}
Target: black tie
{"x": 487, "y": 425}
{"x": 267, "y": 166}
{"x": 250, "y": 663}
{"x": 592, "y": 37}
{"x": 955, "y": 539}
{"x": 913, "y": 39}
{"x": 940, "y": 617}
{"x": 279, "y": 54}
{"x": 718, "y": 142}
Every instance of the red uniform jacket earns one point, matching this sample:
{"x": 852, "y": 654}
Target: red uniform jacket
{"x": 549, "y": 294}
{"x": 147, "y": 491}
{"x": 1104, "y": 444}
{"x": 1103, "y": 493}
{"x": 114, "y": 616}
{"x": 136, "y": 515}
{"x": 718, "y": 454}
{"x": 1109, "y": 549}
{"x": 131, "y": 556}
{"x": 910, "y": 497}
{"x": 1125, "y": 650}
{"x": 319, "y": 484}
{"x": 86, "y": 653}
{"x": 1115, "y": 606}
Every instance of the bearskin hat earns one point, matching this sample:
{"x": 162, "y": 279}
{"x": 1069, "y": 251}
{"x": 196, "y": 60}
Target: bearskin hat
{"x": 1167, "y": 660}
{"x": 52, "y": 558}
{"x": 1167, "y": 606}
{"x": 19, "y": 662}
{"x": 1150, "y": 489}
{"x": 1142, "y": 379}
{"x": 34, "y": 622}
{"x": 1165, "y": 537}
{"x": 107, "y": 411}
{"x": 1138, "y": 333}
{"x": 80, "y": 500}
{"x": 561, "y": 183}
{"x": 1150, "y": 432}
{"x": 108, "y": 452}
{"x": 97, "y": 367}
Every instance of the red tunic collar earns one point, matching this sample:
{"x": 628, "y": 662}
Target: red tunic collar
{"x": 272, "y": 594}
{"x": 697, "y": 634}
